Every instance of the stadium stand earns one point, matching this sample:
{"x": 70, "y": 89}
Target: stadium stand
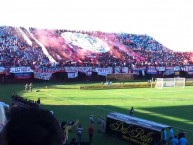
{"x": 125, "y": 49}
{"x": 43, "y": 48}
{"x": 15, "y": 51}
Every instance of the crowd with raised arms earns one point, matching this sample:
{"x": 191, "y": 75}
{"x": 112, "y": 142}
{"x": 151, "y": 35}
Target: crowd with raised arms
{"x": 125, "y": 50}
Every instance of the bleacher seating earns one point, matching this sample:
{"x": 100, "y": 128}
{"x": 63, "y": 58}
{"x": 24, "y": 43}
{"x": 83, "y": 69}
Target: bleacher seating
{"x": 124, "y": 49}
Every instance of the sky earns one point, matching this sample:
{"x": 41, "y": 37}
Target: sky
{"x": 168, "y": 21}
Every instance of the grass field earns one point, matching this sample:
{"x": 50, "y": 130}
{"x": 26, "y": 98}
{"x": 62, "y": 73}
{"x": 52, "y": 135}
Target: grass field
{"x": 171, "y": 106}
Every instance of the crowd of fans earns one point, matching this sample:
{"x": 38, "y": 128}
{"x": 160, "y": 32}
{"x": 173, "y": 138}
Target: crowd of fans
{"x": 23, "y": 102}
{"x": 125, "y": 50}
{"x": 28, "y": 122}
{"x": 15, "y": 51}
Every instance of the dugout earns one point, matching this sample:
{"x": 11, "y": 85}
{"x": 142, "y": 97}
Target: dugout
{"x": 134, "y": 130}
{"x": 4, "y": 109}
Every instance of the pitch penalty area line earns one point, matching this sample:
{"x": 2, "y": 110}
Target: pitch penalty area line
{"x": 81, "y": 103}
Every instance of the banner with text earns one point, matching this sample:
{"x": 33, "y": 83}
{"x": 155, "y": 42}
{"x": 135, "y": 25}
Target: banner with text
{"x": 72, "y": 74}
{"x": 103, "y": 71}
{"x": 169, "y": 70}
{"x": 160, "y": 68}
{"x": 42, "y": 76}
{"x": 117, "y": 69}
{"x": 21, "y": 70}
{"x": 188, "y": 68}
{"x": 125, "y": 70}
{"x": 152, "y": 70}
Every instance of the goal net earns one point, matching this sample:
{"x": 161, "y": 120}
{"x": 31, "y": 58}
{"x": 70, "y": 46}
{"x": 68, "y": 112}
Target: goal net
{"x": 169, "y": 82}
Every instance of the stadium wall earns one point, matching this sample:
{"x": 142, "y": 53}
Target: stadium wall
{"x": 116, "y": 86}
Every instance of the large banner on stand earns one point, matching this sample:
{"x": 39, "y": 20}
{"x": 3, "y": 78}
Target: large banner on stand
{"x": 2, "y": 69}
{"x": 42, "y": 76}
{"x": 21, "y": 72}
{"x": 169, "y": 70}
{"x": 86, "y": 70}
{"x": 103, "y": 71}
{"x": 189, "y": 70}
{"x": 152, "y": 70}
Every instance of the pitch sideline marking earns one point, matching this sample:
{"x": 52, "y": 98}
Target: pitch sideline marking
{"x": 77, "y": 102}
{"x": 101, "y": 108}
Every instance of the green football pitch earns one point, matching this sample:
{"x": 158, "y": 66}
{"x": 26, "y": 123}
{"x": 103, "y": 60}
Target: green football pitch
{"x": 171, "y": 106}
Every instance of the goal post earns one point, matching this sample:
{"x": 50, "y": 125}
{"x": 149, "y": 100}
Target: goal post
{"x": 170, "y": 82}
{"x": 159, "y": 83}
{"x": 180, "y": 82}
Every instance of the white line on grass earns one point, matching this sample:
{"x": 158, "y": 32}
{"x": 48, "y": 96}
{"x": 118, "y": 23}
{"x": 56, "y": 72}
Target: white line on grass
{"x": 101, "y": 108}
{"x": 81, "y": 103}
